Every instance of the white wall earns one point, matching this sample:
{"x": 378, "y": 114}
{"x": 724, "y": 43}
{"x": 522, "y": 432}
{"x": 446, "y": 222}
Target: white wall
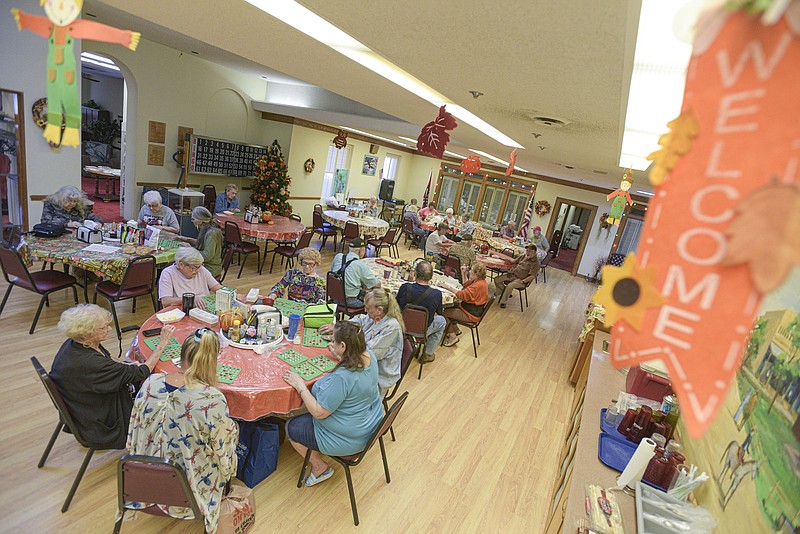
{"x": 184, "y": 90}
{"x": 22, "y": 68}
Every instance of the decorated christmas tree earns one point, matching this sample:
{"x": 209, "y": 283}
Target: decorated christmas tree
{"x": 270, "y": 189}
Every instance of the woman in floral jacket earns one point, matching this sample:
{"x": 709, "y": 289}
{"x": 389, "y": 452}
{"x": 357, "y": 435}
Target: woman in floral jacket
{"x": 183, "y": 417}
{"x": 303, "y": 284}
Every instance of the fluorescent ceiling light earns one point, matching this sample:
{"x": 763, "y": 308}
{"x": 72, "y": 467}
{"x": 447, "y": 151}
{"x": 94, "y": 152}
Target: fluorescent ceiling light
{"x": 521, "y": 169}
{"x": 99, "y": 64}
{"x": 96, "y": 57}
{"x": 408, "y": 139}
{"x": 319, "y": 29}
{"x": 454, "y": 155}
{"x": 489, "y": 156}
{"x": 374, "y": 136}
{"x": 657, "y": 82}
{"x": 647, "y": 193}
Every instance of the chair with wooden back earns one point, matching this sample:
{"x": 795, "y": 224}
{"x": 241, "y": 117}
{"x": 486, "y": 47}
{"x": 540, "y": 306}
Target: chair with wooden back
{"x": 153, "y": 480}
{"x": 233, "y": 238}
{"x": 416, "y": 321}
{"x": 67, "y": 424}
{"x": 41, "y": 282}
{"x": 354, "y": 459}
{"x": 139, "y": 279}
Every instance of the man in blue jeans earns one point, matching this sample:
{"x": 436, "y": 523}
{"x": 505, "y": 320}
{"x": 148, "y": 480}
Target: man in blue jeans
{"x": 416, "y": 222}
{"x": 422, "y": 294}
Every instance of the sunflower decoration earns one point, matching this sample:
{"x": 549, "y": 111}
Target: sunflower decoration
{"x": 627, "y": 292}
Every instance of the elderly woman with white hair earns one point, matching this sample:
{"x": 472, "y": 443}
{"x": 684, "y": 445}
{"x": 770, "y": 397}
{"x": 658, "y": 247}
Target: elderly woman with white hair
{"x": 450, "y": 219}
{"x": 208, "y": 241}
{"x": 96, "y": 388}
{"x": 154, "y": 213}
{"x": 67, "y": 208}
{"x": 186, "y": 275}
{"x": 372, "y": 207}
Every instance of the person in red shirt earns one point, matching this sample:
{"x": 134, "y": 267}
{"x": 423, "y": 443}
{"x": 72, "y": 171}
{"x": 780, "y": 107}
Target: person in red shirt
{"x": 473, "y": 298}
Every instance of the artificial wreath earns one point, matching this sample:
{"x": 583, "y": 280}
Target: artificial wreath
{"x": 542, "y": 208}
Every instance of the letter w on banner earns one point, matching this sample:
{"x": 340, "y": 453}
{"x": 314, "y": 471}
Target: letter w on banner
{"x": 691, "y": 296}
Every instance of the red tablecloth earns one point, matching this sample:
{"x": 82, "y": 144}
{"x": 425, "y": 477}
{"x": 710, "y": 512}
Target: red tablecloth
{"x": 259, "y": 390}
{"x": 284, "y": 229}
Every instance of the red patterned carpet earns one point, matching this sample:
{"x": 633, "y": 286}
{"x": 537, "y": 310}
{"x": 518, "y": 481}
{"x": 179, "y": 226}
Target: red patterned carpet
{"x": 109, "y": 211}
{"x": 565, "y": 259}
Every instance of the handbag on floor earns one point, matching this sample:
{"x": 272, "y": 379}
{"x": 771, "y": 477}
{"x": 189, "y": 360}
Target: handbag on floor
{"x": 237, "y": 512}
{"x": 257, "y": 451}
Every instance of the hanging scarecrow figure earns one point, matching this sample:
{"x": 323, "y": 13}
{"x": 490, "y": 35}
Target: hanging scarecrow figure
{"x": 622, "y": 199}
{"x": 61, "y": 27}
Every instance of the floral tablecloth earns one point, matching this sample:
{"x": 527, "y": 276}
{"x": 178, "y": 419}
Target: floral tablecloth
{"x": 593, "y": 311}
{"x": 282, "y": 229}
{"x": 368, "y": 227}
{"x": 67, "y": 249}
{"x": 378, "y": 267}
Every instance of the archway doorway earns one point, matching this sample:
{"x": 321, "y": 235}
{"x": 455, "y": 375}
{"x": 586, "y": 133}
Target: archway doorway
{"x": 568, "y": 233}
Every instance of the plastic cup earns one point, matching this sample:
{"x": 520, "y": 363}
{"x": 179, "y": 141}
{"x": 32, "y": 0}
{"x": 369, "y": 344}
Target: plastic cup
{"x": 294, "y": 324}
{"x": 387, "y": 273}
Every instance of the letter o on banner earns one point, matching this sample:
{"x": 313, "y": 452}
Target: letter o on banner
{"x": 715, "y": 258}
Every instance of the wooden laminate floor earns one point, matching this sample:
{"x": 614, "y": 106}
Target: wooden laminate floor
{"x": 477, "y": 442}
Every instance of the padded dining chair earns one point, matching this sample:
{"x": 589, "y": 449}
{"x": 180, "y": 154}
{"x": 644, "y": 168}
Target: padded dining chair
{"x": 408, "y": 232}
{"x": 233, "y": 238}
{"x": 350, "y": 232}
{"x": 542, "y": 267}
{"x": 454, "y": 264}
{"x": 521, "y": 290}
{"x": 209, "y": 197}
{"x": 405, "y": 362}
{"x": 296, "y": 217}
{"x": 472, "y": 325}
{"x": 354, "y": 459}
{"x": 153, "y": 480}
{"x": 41, "y": 282}
{"x": 416, "y": 320}
{"x": 227, "y": 258}
{"x": 289, "y": 251}
{"x": 66, "y": 424}
{"x": 335, "y": 288}
{"x": 325, "y": 230}
{"x": 386, "y": 241}
{"x": 139, "y": 279}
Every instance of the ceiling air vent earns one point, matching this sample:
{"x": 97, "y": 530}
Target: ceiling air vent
{"x": 550, "y": 122}
{"x": 601, "y": 173}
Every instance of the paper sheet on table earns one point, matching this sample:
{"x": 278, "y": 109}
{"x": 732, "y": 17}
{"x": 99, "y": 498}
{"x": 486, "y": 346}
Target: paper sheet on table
{"x": 103, "y": 249}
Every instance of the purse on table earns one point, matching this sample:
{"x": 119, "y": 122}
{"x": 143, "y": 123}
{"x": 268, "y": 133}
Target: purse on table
{"x": 317, "y": 315}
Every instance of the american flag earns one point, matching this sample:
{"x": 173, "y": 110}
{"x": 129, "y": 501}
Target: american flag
{"x": 526, "y": 219}
{"x": 427, "y": 190}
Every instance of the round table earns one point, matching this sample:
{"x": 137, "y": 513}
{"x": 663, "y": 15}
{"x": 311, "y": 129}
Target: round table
{"x": 495, "y": 260}
{"x": 283, "y": 229}
{"x": 368, "y": 227}
{"x": 500, "y": 244}
{"x": 379, "y": 266}
{"x": 260, "y": 389}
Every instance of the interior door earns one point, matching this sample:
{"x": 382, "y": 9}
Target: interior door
{"x": 469, "y": 197}
{"x": 12, "y": 164}
{"x": 447, "y": 193}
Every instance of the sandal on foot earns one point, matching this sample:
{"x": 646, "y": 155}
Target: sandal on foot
{"x": 450, "y": 343}
{"x": 312, "y": 480}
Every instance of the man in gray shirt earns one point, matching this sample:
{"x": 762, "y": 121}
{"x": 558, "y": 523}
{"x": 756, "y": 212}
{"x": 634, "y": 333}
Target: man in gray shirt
{"x": 358, "y": 277}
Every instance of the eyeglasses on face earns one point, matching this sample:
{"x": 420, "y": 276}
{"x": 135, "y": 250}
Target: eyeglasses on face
{"x": 309, "y": 264}
{"x": 191, "y": 267}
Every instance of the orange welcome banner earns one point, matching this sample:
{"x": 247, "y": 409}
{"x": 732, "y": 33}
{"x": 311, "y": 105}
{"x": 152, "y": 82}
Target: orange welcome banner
{"x": 740, "y": 132}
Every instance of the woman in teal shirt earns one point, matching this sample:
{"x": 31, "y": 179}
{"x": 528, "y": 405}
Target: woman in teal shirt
{"x": 344, "y": 406}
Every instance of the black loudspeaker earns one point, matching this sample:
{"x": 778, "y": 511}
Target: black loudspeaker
{"x": 373, "y": 149}
{"x": 387, "y": 190}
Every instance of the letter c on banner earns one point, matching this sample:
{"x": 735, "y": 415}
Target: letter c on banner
{"x": 714, "y": 259}
{"x": 697, "y": 211}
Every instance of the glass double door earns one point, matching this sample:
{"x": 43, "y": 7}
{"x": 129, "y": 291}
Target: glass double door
{"x": 468, "y": 200}
{"x": 447, "y": 193}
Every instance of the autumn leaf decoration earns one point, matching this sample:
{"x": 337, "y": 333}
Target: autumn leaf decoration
{"x": 434, "y": 137}
{"x": 674, "y": 144}
{"x": 764, "y": 234}
{"x": 512, "y": 160}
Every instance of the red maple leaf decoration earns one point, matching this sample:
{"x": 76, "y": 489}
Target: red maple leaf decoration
{"x": 512, "y": 160}
{"x": 434, "y": 137}
{"x": 472, "y": 164}
{"x": 340, "y": 141}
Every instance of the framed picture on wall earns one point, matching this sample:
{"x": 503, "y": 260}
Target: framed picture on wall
{"x": 370, "y": 165}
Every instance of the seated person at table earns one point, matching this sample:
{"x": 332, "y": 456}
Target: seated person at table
{"x": 412, "y": 206}
{"x": 372, "y": 207}
{"x": 97, "y": 389}
{"x": 157, "y": 215}
{"x": 522, "y": 272}
{"x": 67, "y": 208}
{"x": 509, "y": 230}
{"x": 463, "y": 251}
{"x": 186, "y": 275}
{"x": 344, "y": 406}
{"x": 227, "y": 200}
{"x": 428, "y": 211}
{"x": 467, "y": 226}
{"x": 437, "y": 243}
{"x": 416, "y": 224}
{"x": 303, "y": 284}
{"x": 473, "y": 298}
{"x": 422, "y": 294}
{"x": 542, "y": 246}
{"x": 383, "y": 331}
{"x": 449, "y": 219}
{"x": 358, "y": 277}
{"x": 183, "y": 417}
{"x": 208, "y": 241}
